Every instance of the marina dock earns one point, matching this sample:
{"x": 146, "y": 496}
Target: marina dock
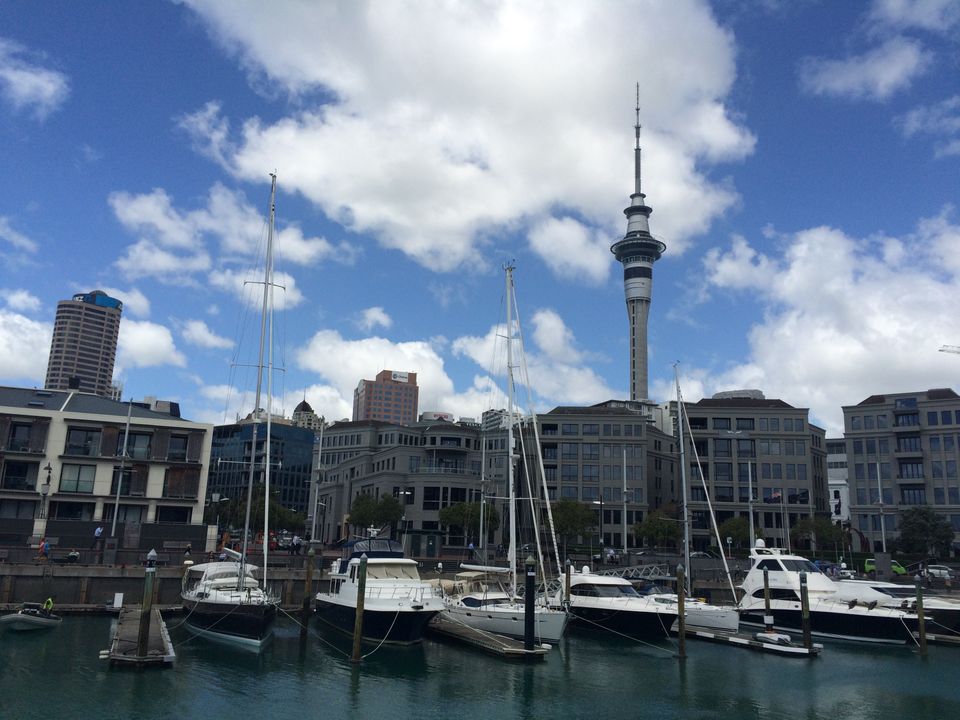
{"x": 750, "y": 642}
{"x": 499, "y": 645}
{"x": 123, "y": 648}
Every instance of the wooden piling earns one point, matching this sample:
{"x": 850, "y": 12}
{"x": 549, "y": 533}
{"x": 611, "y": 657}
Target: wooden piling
{"x": 805, "y": 611}
{"x": 681, "y": 619}
{"x": 358, "y": 619}
{"x": 307, "y": 592}
{"x": 143, "y": 637}
{"x": 921, "y": 624}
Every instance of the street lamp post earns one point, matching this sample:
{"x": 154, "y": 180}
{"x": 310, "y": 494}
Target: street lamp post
{"x": 44, "y": 492}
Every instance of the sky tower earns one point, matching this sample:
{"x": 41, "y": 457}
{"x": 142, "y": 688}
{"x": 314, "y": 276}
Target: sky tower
{"x": 638, "y": 251}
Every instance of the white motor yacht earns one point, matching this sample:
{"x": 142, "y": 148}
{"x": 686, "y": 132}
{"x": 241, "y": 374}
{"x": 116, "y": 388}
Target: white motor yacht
{"x": 830, "y": 615}
{"x": 397, "y": 604}
{"x": 613, "y": 603}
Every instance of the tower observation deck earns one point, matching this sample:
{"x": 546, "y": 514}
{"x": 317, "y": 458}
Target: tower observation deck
{"x": 638, "y": 251}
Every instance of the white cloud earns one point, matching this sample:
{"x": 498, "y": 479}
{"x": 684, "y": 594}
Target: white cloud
{"x": 28, "y": 86}
{"x": 247, "y": 286}
{"x": 18, "y": 240}
{"x": 931, "y": 15}
{"x": 572, "y": 250}
{"x": 145, "y": 259}
{"x": 146, "y": 344}
{"x": 374, "y": 317}
{"x": 438, "y": 159}
{"x": 844, "y": 316}
{"x": 941, "y": 120}
{"x": 20, "y": 300}
{"x": 554, "y": 338}
{"x": 134, "y": 302}
{"x": 874, "y": 75}
{"x": 24, "y": 347}
{"x": 197, "y": 332}
{"x": 153, "y": 216}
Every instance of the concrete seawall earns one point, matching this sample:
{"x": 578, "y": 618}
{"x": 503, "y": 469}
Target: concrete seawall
{"x": 93, "y": 586}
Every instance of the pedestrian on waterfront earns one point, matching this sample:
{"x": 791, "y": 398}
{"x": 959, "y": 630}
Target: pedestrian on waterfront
{"x": 295, "y": 544}
{"x": 44, "y": 549}
{"x": 48, "y": 606}
{"x": 186, "y": 553}
{"x": 97, "y": 534}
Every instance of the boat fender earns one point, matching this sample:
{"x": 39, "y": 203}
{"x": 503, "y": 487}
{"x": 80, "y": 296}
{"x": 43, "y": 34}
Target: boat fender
{"x": 585, "y": 570}
{"x": 871, "y": 605}
{"x": 852, "y": 604}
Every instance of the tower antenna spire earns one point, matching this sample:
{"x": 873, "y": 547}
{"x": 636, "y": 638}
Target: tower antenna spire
{"x": 636, "y": 150}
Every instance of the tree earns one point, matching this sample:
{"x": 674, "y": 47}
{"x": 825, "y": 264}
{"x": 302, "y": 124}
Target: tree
{"x": 467, "y": 516}
{"x": 659, "y": 529}
{"x": 363, "y": 511}
{"x": 924, "y": 531}
{"x": 388, "y": 512}
{"x": 736, "y": 528}
{"x": 572, "y": 519}
{"x": 820, "y": 530}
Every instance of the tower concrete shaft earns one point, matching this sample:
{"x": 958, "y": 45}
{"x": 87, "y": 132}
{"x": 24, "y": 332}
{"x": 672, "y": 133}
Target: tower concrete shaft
{"x": 638, "y": 251}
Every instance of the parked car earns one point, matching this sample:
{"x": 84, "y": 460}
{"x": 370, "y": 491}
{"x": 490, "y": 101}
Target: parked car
{"x": 941, "y": 572}
{"x": 869, "y": 566}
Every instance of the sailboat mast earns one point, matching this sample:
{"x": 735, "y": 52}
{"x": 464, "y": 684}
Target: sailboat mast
{"x": 683, "y": 479}
{"x": 510, "y": 455}
{"x": 268, "y": 317}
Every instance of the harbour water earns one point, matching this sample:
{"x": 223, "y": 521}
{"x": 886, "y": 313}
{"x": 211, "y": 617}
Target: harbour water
{"x": 57, "y": 674}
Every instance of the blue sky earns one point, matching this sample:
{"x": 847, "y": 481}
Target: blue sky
{"x": 801, "y": 159}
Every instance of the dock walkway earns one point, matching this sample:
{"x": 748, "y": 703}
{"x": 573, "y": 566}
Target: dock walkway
{"x": 499, "y": 645}
{"x": 123, "y": 649}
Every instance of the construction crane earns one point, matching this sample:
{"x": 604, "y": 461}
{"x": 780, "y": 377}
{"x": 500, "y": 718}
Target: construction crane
{"x": 950, "y": 349}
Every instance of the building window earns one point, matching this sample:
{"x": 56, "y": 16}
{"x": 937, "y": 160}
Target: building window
{"x": 746, "y": 448}
{"x": 591, "y": 429}
{"x": 77, "y": 478}
{"x": 913, "y": 495}
{"x": 591, "y": 473}
{"x": 723, "y": 447}
{"x": 568, "y": 473}
{"x": 723, "y": 493}
{"x": 81, "y": 441}
{"x": 591, "y": 451}
{"x": 720, "y": 423}
{"x": 569, "y": 429}
{"x": 745, "y": 423}
{"x": 569, "y": 451}
{"x": 177, "y": 449}
{"x": 431, "y": 498}
{"x": 911, "y": 469}
{"x": 137, "y": 447}
{"x": 19, "y": 440}
{"x": 569, "y": 492}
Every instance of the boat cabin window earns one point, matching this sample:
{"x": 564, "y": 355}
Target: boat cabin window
{"x": 800, "y": 565}
{"x": 769, "y": 564}
{"x": 604, "y": 590}
{"x": 392, "y": 572}
{"x": 777, "y": 594}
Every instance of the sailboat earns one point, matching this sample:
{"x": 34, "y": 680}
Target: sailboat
{"x": 225, "y": 600}
{"x": 485, "y": 597}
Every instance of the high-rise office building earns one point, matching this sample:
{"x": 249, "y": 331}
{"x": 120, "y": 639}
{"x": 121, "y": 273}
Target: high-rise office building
{"x": 84, "y": 345}
{"x": 638, "y": 251}
{"x": 392, "y": 397}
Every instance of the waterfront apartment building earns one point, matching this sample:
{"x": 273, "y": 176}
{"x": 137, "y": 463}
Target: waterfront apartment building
{"x": 391, "y": 397}
{"x": 63, "y": 469}
{"x": 743, "y": 442}
{"x": 606, "y": 456}
{"x": 291, "y": 461}
{"x": 84, "y": 344}
{"x": 426, "y": 465}
{"x": 903, "y": 452}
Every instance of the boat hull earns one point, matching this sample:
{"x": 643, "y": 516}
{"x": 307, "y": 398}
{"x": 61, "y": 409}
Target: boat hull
{"x": 247, "y": 624}
{"x": 889, "y": 629}
{"x": 21, "y": 621}
{"x": 509, "y": 620}
{"x": 635, "y": 624}
{"x": 398, "y": 626}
